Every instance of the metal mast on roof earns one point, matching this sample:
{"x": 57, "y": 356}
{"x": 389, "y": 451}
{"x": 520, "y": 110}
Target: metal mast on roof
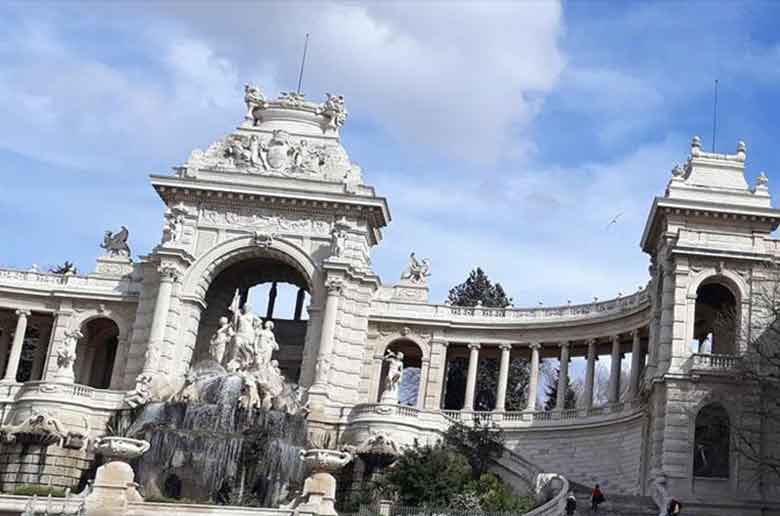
{"x": 303, "y": 62}
{"x": 715, "y": 115}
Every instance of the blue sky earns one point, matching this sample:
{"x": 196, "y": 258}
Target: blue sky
{"x": 504, "y": 135}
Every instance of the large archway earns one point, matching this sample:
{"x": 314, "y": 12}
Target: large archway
{"x": 275, "y": 291}
{"x": 96, "y": 352}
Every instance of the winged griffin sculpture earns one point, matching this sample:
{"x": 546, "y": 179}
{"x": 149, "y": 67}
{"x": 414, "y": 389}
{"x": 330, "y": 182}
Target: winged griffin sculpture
{"x": 115, "y": 244}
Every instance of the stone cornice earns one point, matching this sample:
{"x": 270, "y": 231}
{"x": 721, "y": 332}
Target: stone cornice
{"x": 331, "y": 199}
{"x": 663, "y": 205}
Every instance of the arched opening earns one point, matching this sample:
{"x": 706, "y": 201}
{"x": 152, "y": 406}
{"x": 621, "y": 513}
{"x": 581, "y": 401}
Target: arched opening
{"x": 172, "y": 487}
{"x": 96, "y": 352}
{"x": 715, "y": 319}
{"x": 274, "y": 291}
{"x": 712, "y": 442}
{"x": 409, "y": 388}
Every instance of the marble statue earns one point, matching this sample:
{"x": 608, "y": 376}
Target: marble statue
{"x": 174, "y": 226}
{"x": 66, "y": 356}
{"x": 395, "y": 369}
{"x": 115, "y": 244}
{"x": 220, "y": 340}
{"x": 266, "y": 344}
{"x": 338, "y": 242}
{"x": 253, "y": 98}
{"x": 417, "y": 271}
{"x": 243, "y": 353}
{"x": 335, "y": 110}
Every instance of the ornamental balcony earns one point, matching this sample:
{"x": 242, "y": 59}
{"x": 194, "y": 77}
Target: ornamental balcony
{"x": 712, "y": 363}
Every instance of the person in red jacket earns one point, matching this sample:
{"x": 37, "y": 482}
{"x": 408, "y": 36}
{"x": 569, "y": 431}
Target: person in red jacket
{"x": 596, "y": 498}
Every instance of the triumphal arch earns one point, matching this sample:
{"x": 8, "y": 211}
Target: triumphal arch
{"x": 373, "y": 365}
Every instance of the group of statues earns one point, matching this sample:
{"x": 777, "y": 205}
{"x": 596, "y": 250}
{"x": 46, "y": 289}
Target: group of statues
{"x": 245, "y": 347}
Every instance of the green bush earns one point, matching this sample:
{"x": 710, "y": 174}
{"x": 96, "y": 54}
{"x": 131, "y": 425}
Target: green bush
{"x": 41, "y": 491}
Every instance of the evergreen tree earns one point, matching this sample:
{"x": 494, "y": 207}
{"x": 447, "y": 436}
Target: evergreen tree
{"x": 478, "y": 288}
{"x": 569, "y": 401}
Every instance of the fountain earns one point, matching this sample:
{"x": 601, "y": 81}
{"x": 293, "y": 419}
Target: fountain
{"x": 319, "y": 489}
{"x": 114, "y": 486}
{"x": 234, "y": 433}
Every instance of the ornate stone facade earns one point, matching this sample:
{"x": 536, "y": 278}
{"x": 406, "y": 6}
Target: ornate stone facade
{"x": 278, "y": 200}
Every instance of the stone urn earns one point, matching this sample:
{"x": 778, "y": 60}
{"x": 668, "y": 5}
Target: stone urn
{"x": 319, "y": 489}
{"x": 121, "y": 448}
{"x": 114, "y": 485}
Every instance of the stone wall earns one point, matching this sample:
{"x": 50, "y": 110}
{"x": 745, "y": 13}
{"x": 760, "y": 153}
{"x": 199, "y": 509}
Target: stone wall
{"x": 607, "y": 454}
{"x": 54, "y": 466}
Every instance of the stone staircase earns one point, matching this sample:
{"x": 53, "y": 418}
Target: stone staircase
{"x": 615, "y": 505}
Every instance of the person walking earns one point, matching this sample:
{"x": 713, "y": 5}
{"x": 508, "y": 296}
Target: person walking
{"x": 596, "y": 498}
{"x": 674, "y": 508}
{"x": 571, "y": 505}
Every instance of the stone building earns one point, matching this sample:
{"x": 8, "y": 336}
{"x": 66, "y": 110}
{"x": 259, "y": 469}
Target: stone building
{"x": 279, "y": 201}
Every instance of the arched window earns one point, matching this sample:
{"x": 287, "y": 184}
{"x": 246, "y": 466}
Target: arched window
{"x": 410, "y": 387}
{"x": 715, "y": 319}
{"x": 712, "y": 442}
{"x": 96, "y": 352}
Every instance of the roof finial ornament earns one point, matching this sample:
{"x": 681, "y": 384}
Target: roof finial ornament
{"x": 695, "y": 146}
{"x": 741, "y": 151}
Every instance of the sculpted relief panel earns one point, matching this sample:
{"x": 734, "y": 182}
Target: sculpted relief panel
{"x": 266, "y": 220}
{"x": 279, "y": 154}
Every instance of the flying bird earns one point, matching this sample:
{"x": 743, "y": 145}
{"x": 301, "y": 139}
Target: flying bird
{"x": 614, "y": 220}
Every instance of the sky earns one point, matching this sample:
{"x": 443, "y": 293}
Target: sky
{"x": 504, "y": 135}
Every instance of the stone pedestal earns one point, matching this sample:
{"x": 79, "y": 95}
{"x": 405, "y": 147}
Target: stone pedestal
{"x": 113, "y": 489}
{"x": 113, "y": 266}
{"x": 319, "y": 488}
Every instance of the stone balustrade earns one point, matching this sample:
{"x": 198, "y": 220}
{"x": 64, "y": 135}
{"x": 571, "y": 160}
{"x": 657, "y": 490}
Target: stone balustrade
{"x": 37, "y": 280}
{"x": 599, "y": 309}
{"x": 70, "y": 393}
{"x": 715, "y": 363}
{"x": 508, "y": 420}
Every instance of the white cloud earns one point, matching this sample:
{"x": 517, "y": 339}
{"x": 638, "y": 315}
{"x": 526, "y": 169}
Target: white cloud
{"x": 545, "y": 237}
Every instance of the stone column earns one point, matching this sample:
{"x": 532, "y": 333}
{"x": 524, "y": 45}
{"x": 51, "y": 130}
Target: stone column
{"x": 614, "y": 372}
{"x": 269, "y": 313}
{"x": 636, "y": 355}
{"x": 5, "y": 344}
{"x": 16, "y": 347}
{"x": 299, "y": 304}
{"x": 503, "y": 376}
{"x": 328, "y": 331}
{"x": 168, "y": 276}
{"x": 471, "y": 378}
{"x": 41, "y": 352}
{"x": 533, "y": 382}
{"x": 590, "y": 371}
{"x": 438, "y": 370}
{"x": 563, "y": 377}
{"x": 422, "y": 387}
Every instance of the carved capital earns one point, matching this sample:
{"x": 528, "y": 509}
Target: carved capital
{"x": 635, "y": 333}
{"x": 564, "y": 344}
{"x": 474, "y": 345}
{"x": 536, "y": 346}
{"x": 334, "y": 286}
{"x": 168, "y": 273}
{"x": 615, "y": 339}
{"x": 590, "y": 342}
{"x": 505, "y": 346}
{"x": 23, "y": 313}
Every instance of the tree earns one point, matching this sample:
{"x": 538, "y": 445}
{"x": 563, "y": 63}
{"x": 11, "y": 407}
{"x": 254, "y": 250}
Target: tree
{"x": 570, "y": 399}
{"x": 480, "y": 444}
{"x": 427, "y": 476}
{"x": 478, "y": 289}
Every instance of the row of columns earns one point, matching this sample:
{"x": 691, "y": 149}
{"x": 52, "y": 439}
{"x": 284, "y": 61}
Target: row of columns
{"x": 563, "y": 378}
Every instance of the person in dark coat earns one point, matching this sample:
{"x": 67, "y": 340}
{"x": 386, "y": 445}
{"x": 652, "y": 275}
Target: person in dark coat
{"x": 596, "y": 498}
{"x": 571, "y": 505}
{"x": 674, "y": 508}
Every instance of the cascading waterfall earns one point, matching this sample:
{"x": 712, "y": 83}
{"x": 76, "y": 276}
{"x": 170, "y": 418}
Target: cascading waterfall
{"x": 214, "y": 449}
